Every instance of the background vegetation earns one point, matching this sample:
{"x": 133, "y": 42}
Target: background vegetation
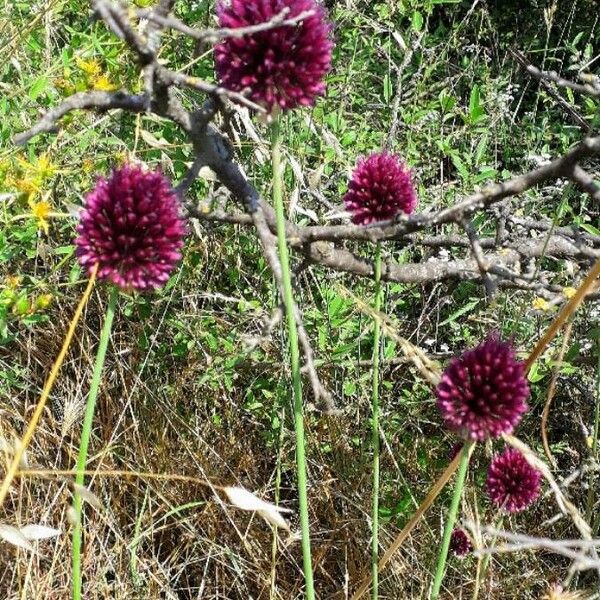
{"x": 192, "y": 386}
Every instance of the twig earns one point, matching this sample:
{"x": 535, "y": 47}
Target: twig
{"x": 212, "y": 36}
{"x": 554, "y": 77}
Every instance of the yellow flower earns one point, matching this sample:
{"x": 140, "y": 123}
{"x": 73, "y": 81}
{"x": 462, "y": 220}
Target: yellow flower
{"x": 26, "y": 186}
{"x": 87, "y": 165}
{"x": 44, "y": 166}
{"x": 102, "y": 83}
{"x": 43, "y": 301}
{"x": 92, "y": 68}
{"x": 41, "y": 210}
{"x": 13, "y": 281}
{"x": 540, "y": 304}
{"x": 41, "y": 167}
{"x": 121, "y": 157}
{"x": 569, "y": 292}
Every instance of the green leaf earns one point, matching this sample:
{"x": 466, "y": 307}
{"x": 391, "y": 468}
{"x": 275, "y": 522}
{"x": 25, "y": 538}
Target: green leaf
{"x": 590, "y": 228}
{"x": 417, "y": 21}
{"x": 476, "y": 112}
{"x": 39, "y": 87}
{"x": 534, "y": 374}
{"x": 460, "y": 166}
{"x": 387, "y": 88}
{"x": 461, "y": 311}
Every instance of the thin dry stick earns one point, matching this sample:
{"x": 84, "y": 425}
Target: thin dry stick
{"x": 54, "y": 474}
{"x": 551, "y": 392}
{"x": 429, "y": 500}
{"x": 20, "y": 448}
{"x": 568, "y": 309}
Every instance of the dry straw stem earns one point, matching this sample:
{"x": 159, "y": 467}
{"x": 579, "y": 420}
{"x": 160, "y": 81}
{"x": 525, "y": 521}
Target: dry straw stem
{"x": 515, "y": 542}
{"x": 429, "y": 500}
{"x": 20, "y": 448}
{"x": 552, "y": 390}
{"x": 565, "y": 505}
{"x": 428, "y": 368}
{"x": 237, "y": 496}
{"x": 431, "y": 372}
{"x": 568, "y": 309}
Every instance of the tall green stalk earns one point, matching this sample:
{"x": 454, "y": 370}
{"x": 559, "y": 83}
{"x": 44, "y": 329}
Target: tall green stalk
{"x": 292, "y": 329}
{"x": 85, "y": 438}
{"x": 375, "y": 424}
{"x": 451, "y": 520}
{"x": 592, "y": 487}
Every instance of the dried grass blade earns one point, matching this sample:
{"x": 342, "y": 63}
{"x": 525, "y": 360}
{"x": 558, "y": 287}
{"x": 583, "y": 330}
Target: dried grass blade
{"x": 433, "y": 493}
{"x": 20, "y": 449}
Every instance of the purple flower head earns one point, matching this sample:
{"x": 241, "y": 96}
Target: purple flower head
{"x": 512, "y": 483}
{"x": 380, "y": 188}
{"x": 483, "y": 392}
{"x": 460, "y": 544}
{"x": 284, "y": 66}
{"x": 131, "y": 226}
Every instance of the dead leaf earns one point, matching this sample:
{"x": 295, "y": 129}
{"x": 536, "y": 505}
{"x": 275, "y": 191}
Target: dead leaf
{"x": 245, "y": 500}
{"x": 39, "y": 532}
{"x": 13, "y": 536}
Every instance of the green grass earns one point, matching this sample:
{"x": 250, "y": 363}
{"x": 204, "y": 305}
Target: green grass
{"x": 181, "y": 391}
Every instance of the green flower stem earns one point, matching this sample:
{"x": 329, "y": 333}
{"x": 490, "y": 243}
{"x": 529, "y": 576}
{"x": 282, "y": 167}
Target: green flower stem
{"x": 450, "y": 520}
{"x": 592, "y": 486}
{"x": 375, "y": 424}
{"x": 85, "y": 438}
{"x": 288, "y": 300}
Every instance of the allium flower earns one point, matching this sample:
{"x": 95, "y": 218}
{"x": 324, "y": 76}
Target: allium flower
{"x": 131, "y": 226}
{"x": 512, "y": 483}
{"x": 460, "y": 544}
{"x": 381, "y": 187}
{"x": 482, "y": 393}
{"x": 284, "y": 66}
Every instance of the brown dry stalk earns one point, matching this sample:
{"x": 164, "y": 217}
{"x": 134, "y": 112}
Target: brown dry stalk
{"x": 571, "y": 306}
{"x": 564, "y": 504}
{"x": 20, "y": 448}
{"x": 54, "y": 474}
{"x": 552, "y": 390}
{"x": 438, "y": 486}
{"x": 428, "y": 368}
{"x": 568, "y": 309}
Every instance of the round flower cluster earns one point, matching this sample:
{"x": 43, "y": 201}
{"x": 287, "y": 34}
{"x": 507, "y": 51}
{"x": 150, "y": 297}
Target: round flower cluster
{"x": 131, "y": 228}
{"x": 281, "y": 66}
{"x": 483, "y": 393}
{"x": 512, "y": 483}
{"x": 381, "y": 187}
{"x": 460, "y": 544}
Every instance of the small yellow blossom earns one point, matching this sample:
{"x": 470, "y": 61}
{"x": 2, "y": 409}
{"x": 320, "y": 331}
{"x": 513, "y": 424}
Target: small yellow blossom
{"x": 41, "y": 167}
{"x": 87, "y": 165}
{"x": 102, "y": 83}
{"x": 569, "y": 292}
{"x": 121, "y": 157}
{"x": 41, "y": 210}
{"x": 92, "y": 68}
{"x": 43, "y": 301}
{"x": 540, "y": 304}
{"x": 26, "y": 187}
{"x": 13, "y": 281}
{"x": 44, "y": 167}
